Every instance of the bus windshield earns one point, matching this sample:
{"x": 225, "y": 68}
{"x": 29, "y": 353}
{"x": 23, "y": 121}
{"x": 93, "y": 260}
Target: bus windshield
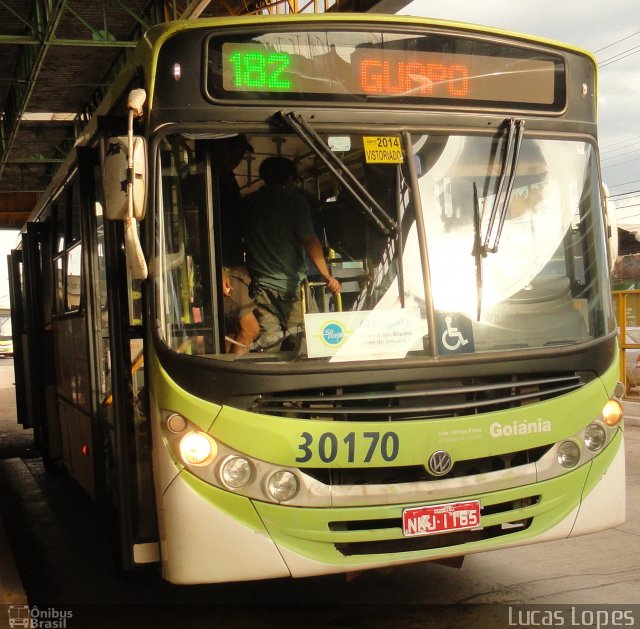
{"x": 546, "y": 283}
{"x": 399, "y": 234}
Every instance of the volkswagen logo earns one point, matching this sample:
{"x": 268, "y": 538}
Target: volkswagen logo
{"x": 440, "y": 463}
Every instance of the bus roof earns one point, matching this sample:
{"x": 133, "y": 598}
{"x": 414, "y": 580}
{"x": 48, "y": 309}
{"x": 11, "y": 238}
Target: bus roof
{"x": 160, "y": 32}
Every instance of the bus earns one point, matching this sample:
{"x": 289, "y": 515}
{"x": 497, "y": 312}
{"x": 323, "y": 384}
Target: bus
{"x": 459, "y": 394}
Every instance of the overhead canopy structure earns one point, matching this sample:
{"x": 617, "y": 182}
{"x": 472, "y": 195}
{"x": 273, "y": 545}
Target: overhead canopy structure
{"x": 58, "y": 59}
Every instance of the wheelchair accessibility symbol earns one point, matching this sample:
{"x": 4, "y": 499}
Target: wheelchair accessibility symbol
{"x": 452, "y": 338}
{"x": 455, "y": 333}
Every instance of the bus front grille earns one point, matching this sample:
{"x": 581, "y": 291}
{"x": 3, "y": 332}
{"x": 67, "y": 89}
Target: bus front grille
{"x": 417, "y": 400}
{"x": 398, "y": 544}
{"x": 429, "y": 542}
{"x": 397, "y": 475}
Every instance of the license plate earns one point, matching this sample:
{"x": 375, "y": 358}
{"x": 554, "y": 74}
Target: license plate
{"x": 455, "y": 516}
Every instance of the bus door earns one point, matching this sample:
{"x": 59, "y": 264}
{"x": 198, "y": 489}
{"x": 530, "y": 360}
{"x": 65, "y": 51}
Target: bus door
{"x": 34, "y": 365}
{"x": 120, "y": 379}
{"x": 20, "y": 338}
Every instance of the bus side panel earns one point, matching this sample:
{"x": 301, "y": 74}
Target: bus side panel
{"x": 73, "y": 391}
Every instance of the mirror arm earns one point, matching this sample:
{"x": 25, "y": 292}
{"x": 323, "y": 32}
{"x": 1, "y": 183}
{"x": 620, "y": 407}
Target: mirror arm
{"x": 135, "y": 256}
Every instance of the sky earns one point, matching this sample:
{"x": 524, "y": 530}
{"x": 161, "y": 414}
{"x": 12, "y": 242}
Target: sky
{"x": 611, "y": 31}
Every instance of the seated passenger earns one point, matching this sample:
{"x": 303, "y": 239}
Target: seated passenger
{"x": 278, "y": 231}
{"x": 240, "y": 322}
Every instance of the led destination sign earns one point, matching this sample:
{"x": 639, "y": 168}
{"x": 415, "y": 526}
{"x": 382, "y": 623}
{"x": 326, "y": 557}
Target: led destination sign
{"x": 377, "y": 68}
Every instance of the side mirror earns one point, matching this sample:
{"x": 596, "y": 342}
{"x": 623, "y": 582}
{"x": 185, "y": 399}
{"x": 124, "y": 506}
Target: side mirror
{"x": 125, "y": 191}
{"x": 117, "y": 178}
{"x": 125, "y": 184}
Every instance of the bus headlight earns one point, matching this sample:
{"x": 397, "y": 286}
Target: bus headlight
{"x": 612, "y": 412}
{"x": 236, "y": 472}
{"x": 197, "y": 448}
{"x": 595, "y": 437}
{"x": 568, "y": 454}
{"x": 176, "y": 423}
{"x": 282, "y": 486}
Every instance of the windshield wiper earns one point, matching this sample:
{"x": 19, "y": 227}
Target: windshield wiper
{"x": 370, "y": 206}
{"x": 507, "y": 174}
{"x": 499, "y": 208}
{"x": 477, "y": 248}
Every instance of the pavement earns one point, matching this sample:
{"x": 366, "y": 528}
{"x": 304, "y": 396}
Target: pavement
{"x": 631, "y": 412}
{"x": 14, "y": 441}
{"x": 11, "y": 590}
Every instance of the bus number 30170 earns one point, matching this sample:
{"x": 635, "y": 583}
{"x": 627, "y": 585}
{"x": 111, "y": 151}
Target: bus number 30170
{"x": 328, "y": 446}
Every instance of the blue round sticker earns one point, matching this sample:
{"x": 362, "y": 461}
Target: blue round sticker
{"x": 333, "y": 334}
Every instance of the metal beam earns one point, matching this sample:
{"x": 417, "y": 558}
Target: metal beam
{"x": 135, "y": 16}
{"x": 194, "y": 9}
{"x": 31, "y": 161}
{"x": 29, "y": 66}
{"x": 18, "y": 40}
{"x": 27, "y": 40}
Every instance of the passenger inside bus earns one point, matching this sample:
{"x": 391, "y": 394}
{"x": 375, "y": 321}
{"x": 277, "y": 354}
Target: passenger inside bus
{"x": 278, "y": 231}
{"x": 241, "y": 324}
{"x": 347, "y": 229}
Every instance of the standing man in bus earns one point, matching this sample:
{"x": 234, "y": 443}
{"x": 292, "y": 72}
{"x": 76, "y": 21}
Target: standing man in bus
{"x": 240, "y": 319}
{"x": 278, "y": 231}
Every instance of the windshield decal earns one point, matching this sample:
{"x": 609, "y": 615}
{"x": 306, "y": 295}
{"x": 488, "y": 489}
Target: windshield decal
{"x": 454, "y": 333}
{"x": 364, "y": 334}
{"x": 383, "y": 149}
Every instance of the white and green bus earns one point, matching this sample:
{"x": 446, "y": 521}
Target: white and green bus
{"x": 459, "y": 395}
